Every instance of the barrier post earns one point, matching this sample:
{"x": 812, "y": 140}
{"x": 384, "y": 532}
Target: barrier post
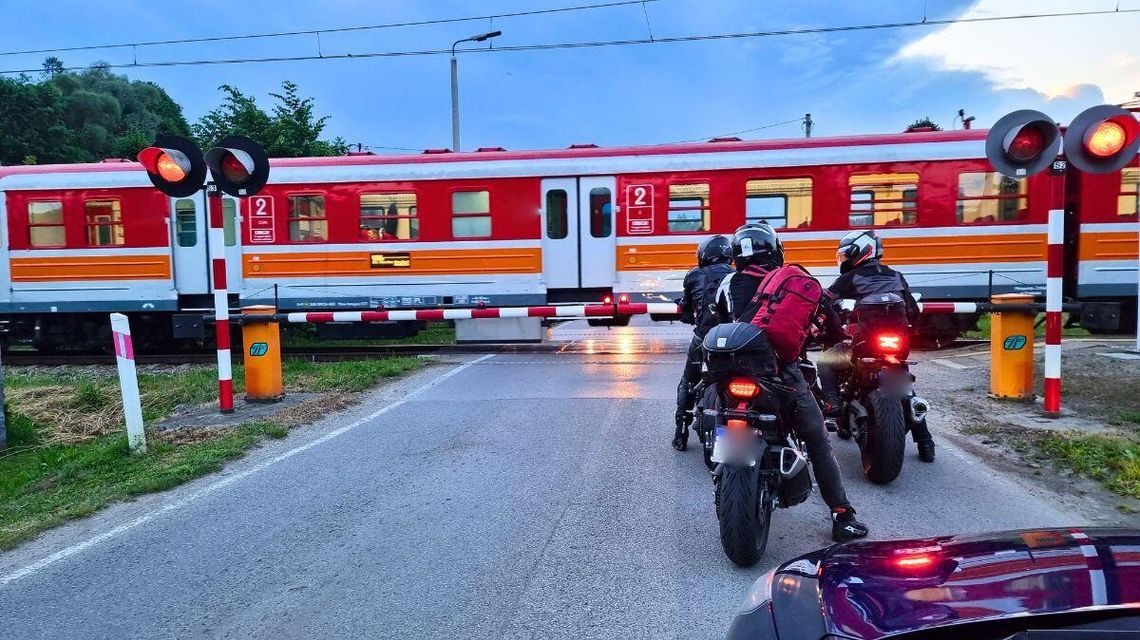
{"x": 1054, "y": 274}
{"x": 128, "y": 382}
{"x": 217, "y": 245}
{"x": 261, "y": 353}
{"x": 1011, "y": 349}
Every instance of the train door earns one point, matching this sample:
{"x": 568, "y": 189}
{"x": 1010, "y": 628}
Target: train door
{"x": 578, "y": 232}
{"x": 560, "y": 233}
{"x": 597, "y": 229}
{"x": 188, "y": 240}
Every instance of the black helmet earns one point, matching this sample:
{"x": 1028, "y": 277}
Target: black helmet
{"x": 757, "y": 244}
{"x": 858, "y": 248}
{"x": 713, "y": 250}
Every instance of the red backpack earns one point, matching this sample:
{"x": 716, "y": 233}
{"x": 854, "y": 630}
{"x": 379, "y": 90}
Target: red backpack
{"x": 786, "y": 304}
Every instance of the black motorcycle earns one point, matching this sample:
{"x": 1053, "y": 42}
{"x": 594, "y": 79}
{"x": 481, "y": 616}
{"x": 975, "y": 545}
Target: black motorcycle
{"x": 879, "y": 405}
{"x": 758, "y": 463}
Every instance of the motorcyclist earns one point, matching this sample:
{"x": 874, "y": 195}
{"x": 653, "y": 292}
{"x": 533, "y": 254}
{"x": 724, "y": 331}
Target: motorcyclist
{"x": 862, "y": 274}
{"x": 756, "y": 251}
{"x": 714, "y": 258}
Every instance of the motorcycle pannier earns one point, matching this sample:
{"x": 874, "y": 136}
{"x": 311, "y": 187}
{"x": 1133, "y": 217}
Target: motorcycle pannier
{"x": 739, "y": 349}
{"x": 881, "y": 310}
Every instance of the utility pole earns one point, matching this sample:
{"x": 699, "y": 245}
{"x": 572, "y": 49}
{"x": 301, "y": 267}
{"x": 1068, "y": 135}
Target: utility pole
{"x": 807, "y": 125}
{"x": 483, "y": 37}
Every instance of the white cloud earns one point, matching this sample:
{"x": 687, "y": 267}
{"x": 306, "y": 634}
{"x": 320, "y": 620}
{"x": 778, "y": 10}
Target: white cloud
{"x": 1051, "y": 56}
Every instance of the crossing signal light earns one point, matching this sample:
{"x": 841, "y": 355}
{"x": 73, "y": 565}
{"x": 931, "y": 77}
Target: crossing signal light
{"x": 174, "y": 165}
{"x": 1102, "y": 139}
{"x": 239, "y": 166}
{"x": 1023, "y": 143}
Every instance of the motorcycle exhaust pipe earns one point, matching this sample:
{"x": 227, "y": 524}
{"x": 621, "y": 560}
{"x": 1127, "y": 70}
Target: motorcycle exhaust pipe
{"x": 919, "y": 407}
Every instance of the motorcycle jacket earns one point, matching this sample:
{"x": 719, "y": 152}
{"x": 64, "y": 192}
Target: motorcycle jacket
{"x": 700, "y": 287}
{"x": 871, "y": 279}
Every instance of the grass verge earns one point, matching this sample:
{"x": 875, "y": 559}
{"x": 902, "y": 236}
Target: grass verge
{"x": 1112, "y": 460}
{"x": 68, "y": 455}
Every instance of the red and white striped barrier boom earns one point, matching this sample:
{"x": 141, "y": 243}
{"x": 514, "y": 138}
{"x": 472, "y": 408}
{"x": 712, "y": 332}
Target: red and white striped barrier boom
{"x": 549, "y": 311}
{"x": 217, "y": 241}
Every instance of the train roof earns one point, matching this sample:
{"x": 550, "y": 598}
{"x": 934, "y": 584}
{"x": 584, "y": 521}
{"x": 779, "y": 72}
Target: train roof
{"x": 716, "y": 145}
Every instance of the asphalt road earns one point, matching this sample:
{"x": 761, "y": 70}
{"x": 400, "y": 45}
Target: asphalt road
{"x": 523, "y": 496}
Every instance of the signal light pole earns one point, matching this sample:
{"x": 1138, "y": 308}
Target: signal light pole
{"x": 238, "y": 167}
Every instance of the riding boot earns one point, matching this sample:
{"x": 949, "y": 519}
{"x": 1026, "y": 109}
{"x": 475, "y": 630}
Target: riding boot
{"x": 922, "y": 438}
{"x": 682, "y": 417}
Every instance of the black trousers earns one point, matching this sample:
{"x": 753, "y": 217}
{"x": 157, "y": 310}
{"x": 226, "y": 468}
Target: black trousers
{"x": 807, "y": 421}
{"x": 691, "y": 374}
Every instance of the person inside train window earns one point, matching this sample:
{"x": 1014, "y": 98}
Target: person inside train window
{"x": 985, "y": 197}
{"x": 601, "y": 213}
{"x": 388, "y": 216}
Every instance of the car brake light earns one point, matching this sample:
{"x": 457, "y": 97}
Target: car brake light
{"x": 889, "y": 342}
{"x": 1026, "y": 144}
{"x": 743, "y": 389}
{"x": 1106, "y": 139}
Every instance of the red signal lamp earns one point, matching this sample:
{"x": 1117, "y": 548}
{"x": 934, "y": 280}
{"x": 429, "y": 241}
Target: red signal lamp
{"x": 239, "y": 166}
{"x": 174, "y": 165}
{"x": 1025, "y": 144}
{"x": 1106, "y": 139}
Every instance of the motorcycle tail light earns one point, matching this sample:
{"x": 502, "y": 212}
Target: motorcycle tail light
{"x": 890, "y": 342}
{"x": 743, "y": 388}
{"x": 735, "y": 423}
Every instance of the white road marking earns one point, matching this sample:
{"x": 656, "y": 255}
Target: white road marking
{"x": 950, "y": 365}
{"x": 1121, "y": 355}
{"x": 63, "y": 554}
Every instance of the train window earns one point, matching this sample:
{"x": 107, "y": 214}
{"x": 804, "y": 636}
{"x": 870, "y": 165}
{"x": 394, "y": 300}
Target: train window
{"x": 229, "y": 220}
{"x": 307, "y": 221}
{"x": 990, "y": 197}
{"x": 104, "y": 223}
{"x": 471, "y": 214}
{"x": 1129, "y": 186}
{"x": 689, "y": 208}
{"x": 601, "y": 213}
{"x": 557, "y": 223}
{"x": 45, "y": 224}
{"x": 388, "y": 216}
{"x": 186, "y": 222}
{"x": 883, "y": 200}
{"x": 781, "y": 202}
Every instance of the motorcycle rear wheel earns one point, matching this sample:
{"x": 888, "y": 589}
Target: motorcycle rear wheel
{"x": 883, "y": 446}
{"x": 745, "y": 515}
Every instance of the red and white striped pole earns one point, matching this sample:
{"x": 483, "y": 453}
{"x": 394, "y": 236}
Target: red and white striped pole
{"x": 221, "y": 298}
{"x": 1054, "y": 273}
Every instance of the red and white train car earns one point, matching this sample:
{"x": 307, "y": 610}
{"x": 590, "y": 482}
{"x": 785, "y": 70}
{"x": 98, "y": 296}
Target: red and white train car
{"x": 535, "y": 227}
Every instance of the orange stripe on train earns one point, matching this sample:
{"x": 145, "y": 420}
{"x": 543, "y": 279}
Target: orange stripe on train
{"x": 360, "y": 263}
{"x": 87, "y": 268}
{"x": 1111, "y": 245}
{"x": 1024, "y": 247}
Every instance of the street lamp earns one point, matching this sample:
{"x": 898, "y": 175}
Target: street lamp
{"x": 483, "y": 37}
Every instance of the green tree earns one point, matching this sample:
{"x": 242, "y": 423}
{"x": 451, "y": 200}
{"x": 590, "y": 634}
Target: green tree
{"x": 292, "y": 129}
{"x": 923, "y": 123}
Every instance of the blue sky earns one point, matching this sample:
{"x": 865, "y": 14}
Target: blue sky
{"x": 855, "y": 82}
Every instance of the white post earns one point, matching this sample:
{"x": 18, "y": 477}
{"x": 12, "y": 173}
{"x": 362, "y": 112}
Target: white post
{"x": 128, "y": 382}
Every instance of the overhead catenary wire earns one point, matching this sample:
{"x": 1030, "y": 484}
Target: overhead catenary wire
{"x": 318, "y": 32}
{"x": 595, "y": 43}
{"x": 736, "y": 133}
